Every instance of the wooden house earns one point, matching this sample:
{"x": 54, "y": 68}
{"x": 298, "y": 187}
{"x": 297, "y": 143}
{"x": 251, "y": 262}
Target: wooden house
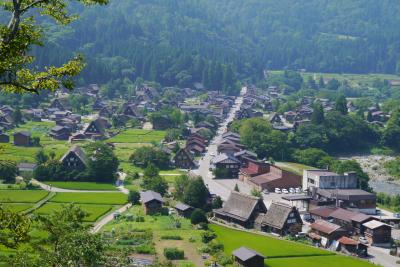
{"x": 327, "y": 231}
{"x": 95, "y": 130}
{"x": 60, "y": 132}
{"x": 75, "y": 158}
{"x": 152, "y": 202}
{"x": 246, "y": 257}
{"x": 280, "y": 219}
{"x": 352, "y": 247}
{"x": 378, "y": 233}
{"x": 183, "y": 159}
{"x": 226, "y": 166}
{"x": 22, "y": 138}
{"x": 241, "y": 209}
{"x": 56, "y": 104}
{"x": 184, "y": 210}
{"x": 4, "y": 138}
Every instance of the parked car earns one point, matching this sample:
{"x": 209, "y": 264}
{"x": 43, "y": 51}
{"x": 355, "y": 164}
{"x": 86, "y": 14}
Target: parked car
{"x": 292, "y": 191}
{"x": 285, "y": 191}
{"x": 396, "y": 215}
{"x": 278, "y": 191}
{"x": 298, "y": 190}
{"x": 265, "y": 191}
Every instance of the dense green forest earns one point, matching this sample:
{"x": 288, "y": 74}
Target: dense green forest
{"x": 181, "y": 42}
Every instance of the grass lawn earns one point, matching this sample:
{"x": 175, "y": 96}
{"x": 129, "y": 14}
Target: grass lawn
{"x": 282, "y": 253}
{"x": 296, "y": 168}
{"x": 91, "y": 198}
{"x": 138, "y": 136}
{"x": 269, "y": 246}
{"x": 94, "y": 211}
{"x": 319, "y": 261}
{"x": 17, "y": 207}
{"x": 22, "y": 196}
{"x": 82, "y": 185}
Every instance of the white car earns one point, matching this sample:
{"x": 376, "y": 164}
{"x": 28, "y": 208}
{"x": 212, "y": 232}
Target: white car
{"x": 212, "y": 154}
{"x": 265, "y": 191}
{"x": 298, "y": 190}
{"x": 285, "y": 191}
{"x": 278, "y": 191}
{"x": 292, "y": 191}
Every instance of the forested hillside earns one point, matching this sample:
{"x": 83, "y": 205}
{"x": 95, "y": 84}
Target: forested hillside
{"x": 181, "y": 42}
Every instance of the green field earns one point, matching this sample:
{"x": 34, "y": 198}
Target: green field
{"x": 296, "y": 168}
{"x": 91, "y": 198}
{"x": 269, "y": 246}
{"x": 281, "y": 253}
{"x": 138, "y": 136}
{"x": 82, "y": 185}
{"x": 319, "y": 261}
{"x": 27, "y": 154}
{"x": 94, "y": 211}
{"x": 17, "y": 207}
{"x": 354, "y": 79}
{"x": 22, "y": 196}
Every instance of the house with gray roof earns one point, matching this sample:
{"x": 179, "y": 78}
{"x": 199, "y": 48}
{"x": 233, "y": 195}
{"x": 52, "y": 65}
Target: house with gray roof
{"x": 226, "y": 166}
{"x": 241, "y": 209}
{"x": 152, "y": 202}
{"x": 183, "y": 209}
{"x": 248, "y": 258}
{"x": 281, "y": 219}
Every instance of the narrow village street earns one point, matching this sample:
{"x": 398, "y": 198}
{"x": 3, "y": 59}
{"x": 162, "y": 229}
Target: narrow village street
{"x": 220, "y": 188}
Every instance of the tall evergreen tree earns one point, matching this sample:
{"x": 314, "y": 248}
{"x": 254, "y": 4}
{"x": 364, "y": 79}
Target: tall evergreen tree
{"x": 318, "y": 115}
{"x": 341, "y": 105}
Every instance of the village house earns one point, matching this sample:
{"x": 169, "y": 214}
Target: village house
{"x": 60, "y": 132}
{"x": 349, "y": 220}
{"x": 229, "y": 148}
{"x": 226, "y": 166}
{"x": 95, "y": 129}
{"x": 152, "y": 202}
{"x": 183, "y": 159}
{"x": 234, "y": 137}
{"x": 6, "y": 121}
{"x": 378, "y": 233}
{"x": 184, "y": 210}
{"x": 275, "y": 178}
{"x": 131, "y": 112}
{"x": 75, "y": 158}
{"x": 251, "y": 168}
{"x": 352, "y": 199}
{"x": 246, "y": 257}
{"x": 56, "y": 104}
{"x": 4, "y": 138}
{"x": 241, "y": 209}
{"x": 22, "y": 138}
{"x": 325, "y": 232}
{"x": 280, "y": 219}
{"x": 352, "y": 247}
{"x": 195, "y": 146}
{"x": 245, "y": 156}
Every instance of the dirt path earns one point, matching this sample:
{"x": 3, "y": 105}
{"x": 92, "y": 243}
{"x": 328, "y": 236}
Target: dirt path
{"x": 108, "y": 218}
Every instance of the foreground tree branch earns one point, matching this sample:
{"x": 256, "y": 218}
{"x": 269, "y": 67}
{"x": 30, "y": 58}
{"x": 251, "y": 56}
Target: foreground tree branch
{"x": 21, "y": 33}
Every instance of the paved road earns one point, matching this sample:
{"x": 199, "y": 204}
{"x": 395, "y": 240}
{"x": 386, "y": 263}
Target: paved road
{"x": 108, "y": 218}
{"x": 382, "y": 257}
{"x": 214, "y": 186}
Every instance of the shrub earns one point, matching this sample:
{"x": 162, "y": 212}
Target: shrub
{"x": 198, "y": 216}
{"x": 171, "y": 237}
{"x": 207, "y": 236}
{"x": 174, "y": 254}
{"x": 134, "y": 197}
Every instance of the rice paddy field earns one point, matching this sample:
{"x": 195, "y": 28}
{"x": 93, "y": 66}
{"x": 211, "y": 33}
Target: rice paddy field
{"x": 91, "y": 198}
{"x": 22, "y": 196}
{"x": 83, "y": 186}
{"x": 138, "y": 136}
{"x": 94, "y": 211}
{"x": 280, "y": 252}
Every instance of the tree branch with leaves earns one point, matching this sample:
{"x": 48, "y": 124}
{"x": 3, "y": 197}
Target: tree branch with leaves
{"x": 22, "y": 32}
